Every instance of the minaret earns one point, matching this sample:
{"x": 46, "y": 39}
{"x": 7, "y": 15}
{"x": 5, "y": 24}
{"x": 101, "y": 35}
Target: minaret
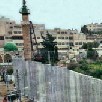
{"x": 26, "y": 31}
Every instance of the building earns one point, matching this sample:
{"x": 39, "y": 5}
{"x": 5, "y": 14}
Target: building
{"x": 9, "y": 32}
{"x": 94, "y": 27}
{"x": 66, "y": 39}
{"x": 94, "y": 37}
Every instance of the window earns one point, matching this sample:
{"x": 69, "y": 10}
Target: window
{"x": 70, "y": 38}
{"x": 19, "y": 44}
{"x": 58, "y": 32}
{"x": 70, "y": 44}
{"x": 8, "y": 37}
{"x": 76, "y": 43}
{"x": 71, "y": 32}
{"x": 65, "y": 32}
{"x": 59, "y": 43}
{"x": 10, "y": 32}
{"x": 15, "y": 32}
{"x": 19, "y": 32}
{"x": 1, "y": 37}
{"x": 62, "y": 37}
{"x": 17, "y": 37}
{"x": 80, "y": 43}
{"x": 38, "y": 37}
{"x": 63, "y": 43}
{"x": 34, "y": 43}
{"x": 38, "y": 43}
{"x": 11, "y": 27}
{"x": 66, "y": 37}
{"x": 34, "y": 37}
{"x": 62, "y": 32}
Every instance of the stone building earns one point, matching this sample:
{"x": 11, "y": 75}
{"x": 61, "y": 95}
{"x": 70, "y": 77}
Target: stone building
{"x": 95, "y": 27}
{"x": 66, "y": 39}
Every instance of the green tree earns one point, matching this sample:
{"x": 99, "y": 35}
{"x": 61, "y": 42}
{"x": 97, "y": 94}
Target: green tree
{"x": 90, "y": 45}
{"x": 97, "y": 73}
{"x": 10, "y": 47}
{"x": 49, "y": 51}
{"x": 10, "y": 71}
{"x": 83, "y": 65}
{"x": 84, "y": 46}
{"x": 92, "y": 54}
{"x": 84, "y": 29}
{"x": 96, "y": 44}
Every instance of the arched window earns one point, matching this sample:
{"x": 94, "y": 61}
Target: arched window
{"x": 7, "y": 58}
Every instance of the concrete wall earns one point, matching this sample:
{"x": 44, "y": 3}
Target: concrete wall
{"x": 56, "y": 84}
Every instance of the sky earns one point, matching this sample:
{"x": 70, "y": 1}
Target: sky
{"x": 65, "y": 14}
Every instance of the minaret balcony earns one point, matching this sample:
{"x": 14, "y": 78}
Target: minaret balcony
{"x": 25, "y": 22}
{"x": 24, "y": 10}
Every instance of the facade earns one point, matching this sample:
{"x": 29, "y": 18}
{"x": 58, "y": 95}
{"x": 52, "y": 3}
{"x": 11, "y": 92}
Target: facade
{"x": 10, "y": 32}
{"x": 96, "y": 30}
{"x": 6, "y": 26}
{"x": 66, "y": 39}
{"x": 95, "y": 27}
{"x": 95, "y": 37}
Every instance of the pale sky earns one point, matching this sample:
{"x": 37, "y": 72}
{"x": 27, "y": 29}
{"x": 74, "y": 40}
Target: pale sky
{"x": 56, "y": 13}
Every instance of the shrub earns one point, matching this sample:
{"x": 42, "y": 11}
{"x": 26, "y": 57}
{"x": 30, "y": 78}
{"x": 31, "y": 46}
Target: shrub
{"x": 9, "y": 71}
{"x": 72, "y": 65}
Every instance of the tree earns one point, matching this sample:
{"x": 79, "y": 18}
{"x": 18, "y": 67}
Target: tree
{"x": 84, "y": 29}
{"x": 96, "y": 44}
{"x": 49, "y": 51}
{"x": 10, "y": 71}
{"x": 10, "y": 47}
{"x": 90, "y": 45}
{"x": 97, "y": 73}
{"x": 84, "y": 46}
{"x": 92, "y": 54}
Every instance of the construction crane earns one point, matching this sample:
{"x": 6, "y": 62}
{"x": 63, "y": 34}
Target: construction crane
{"x": 37, "y": 55}
{"x": 32, "y": 32}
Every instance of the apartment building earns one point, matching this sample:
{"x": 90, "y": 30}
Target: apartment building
{"x": 95, "y": 37}
{"x": 66, "y": 39}
{"x": 5, "y": 30}
{"x": 95, "y": 27}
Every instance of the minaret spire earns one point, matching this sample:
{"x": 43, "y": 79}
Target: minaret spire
{"x": 24, "y": 3}
{"x": 24, "y": 10}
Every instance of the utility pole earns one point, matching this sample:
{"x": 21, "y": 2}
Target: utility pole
{"x": 24, "y": 83}
{"x": 18, "y": 88}
{"x": 49, "y": 57}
